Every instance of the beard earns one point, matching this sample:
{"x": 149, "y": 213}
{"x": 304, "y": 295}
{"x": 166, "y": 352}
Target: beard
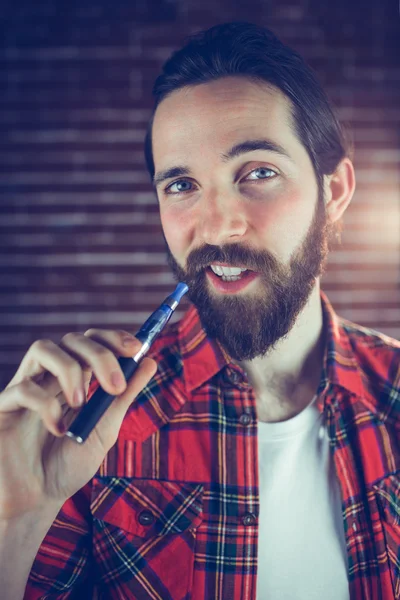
{"x": 249, "y": 326}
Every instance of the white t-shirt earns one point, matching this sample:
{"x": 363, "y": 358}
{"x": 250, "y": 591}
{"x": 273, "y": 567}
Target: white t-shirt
{"x": 301, "y": 551}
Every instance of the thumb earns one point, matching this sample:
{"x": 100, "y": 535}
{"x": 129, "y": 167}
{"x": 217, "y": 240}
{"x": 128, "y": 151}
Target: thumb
{"x": 146, "y": 370}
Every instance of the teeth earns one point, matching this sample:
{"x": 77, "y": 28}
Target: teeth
{"x": 227, "y": 271}
{"x": 217, "y": 269}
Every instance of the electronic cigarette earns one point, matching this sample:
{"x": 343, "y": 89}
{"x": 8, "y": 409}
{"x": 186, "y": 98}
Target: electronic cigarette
{"x": 91, "y": 412}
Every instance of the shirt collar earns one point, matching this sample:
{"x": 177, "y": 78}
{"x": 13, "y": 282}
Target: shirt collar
{"x": 204, "y": 357}
{"x": 340, "y": 366}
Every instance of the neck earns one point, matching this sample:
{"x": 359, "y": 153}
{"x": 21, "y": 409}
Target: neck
{"x": 287, "y": 378}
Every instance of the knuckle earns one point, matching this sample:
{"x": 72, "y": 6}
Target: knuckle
{"x": 23, "y": 386}
{"x": 28, "y": 387}
{"x": 101, "y": 351}
{"x": 43, "y": 344}
{"x": 74, "y": 370}
{"x": 71, "y": 336}
{"x": 123, "y": 334}
{"x": 91, "y": 331}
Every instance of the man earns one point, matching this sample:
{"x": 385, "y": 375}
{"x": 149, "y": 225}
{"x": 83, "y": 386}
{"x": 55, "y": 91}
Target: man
{"x": 261, "y": 459}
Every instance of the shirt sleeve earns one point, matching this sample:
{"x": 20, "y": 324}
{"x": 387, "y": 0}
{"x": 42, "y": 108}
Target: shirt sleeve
{"x": 62, "y": 566}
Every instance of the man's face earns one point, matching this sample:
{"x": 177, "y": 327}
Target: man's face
{"x": 259, "y": 210}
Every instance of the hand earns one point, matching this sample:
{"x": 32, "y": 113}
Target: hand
{"x": 39, "y": 465}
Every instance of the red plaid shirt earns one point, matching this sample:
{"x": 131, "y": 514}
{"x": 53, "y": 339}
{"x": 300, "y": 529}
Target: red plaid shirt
{"x": 172, "y": 512}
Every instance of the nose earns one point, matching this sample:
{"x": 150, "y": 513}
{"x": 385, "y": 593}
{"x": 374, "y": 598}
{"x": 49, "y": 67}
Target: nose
{"x": 221, "y": 219}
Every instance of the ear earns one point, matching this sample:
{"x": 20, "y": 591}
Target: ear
{"x": 339, "y": 189}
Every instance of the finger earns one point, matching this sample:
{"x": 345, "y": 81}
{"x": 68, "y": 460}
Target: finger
{"x": 28, "y": 367}
{"x": 100, "y": 356}
{"x": 30, "y": 396}
{"x": 121, "y": 342}
{"x": 55, "y": 369}
{"x": 68, "y": 413}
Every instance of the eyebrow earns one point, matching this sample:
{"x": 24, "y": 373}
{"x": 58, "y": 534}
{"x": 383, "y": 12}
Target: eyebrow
{"x": 234, "y": 152}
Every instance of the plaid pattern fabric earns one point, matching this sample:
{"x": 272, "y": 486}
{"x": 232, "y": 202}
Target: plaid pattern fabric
{"x": 172, "y": 512}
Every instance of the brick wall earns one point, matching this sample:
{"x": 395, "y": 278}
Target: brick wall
{"x": 80, "y": 237}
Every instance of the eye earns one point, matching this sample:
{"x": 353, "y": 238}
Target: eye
{"x": 178, "y": 182}
{"x": 270, "y": 174}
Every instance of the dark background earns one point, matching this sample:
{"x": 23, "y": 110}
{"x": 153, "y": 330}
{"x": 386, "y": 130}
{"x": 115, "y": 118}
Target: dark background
{"x": 80, "y": 237}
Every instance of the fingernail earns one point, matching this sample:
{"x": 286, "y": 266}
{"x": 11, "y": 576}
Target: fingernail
{"x": 79, "y": 397}
{"x": 117, "y": 379}
{"x": 128, "y": 341}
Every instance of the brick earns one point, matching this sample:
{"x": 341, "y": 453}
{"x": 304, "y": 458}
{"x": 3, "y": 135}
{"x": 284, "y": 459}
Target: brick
{"x": 79, "y": 222}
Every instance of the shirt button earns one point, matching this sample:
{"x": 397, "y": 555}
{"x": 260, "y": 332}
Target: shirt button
{"x": 245, "y": 419}
{"x": 236, "y": 377}
{"x": 233, "y": 377}
{"x": 249, "y": 519}
{"x": 146, "y": 517}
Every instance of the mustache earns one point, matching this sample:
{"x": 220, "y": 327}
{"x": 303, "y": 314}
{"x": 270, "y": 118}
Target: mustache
{"x": 232, "y": 254}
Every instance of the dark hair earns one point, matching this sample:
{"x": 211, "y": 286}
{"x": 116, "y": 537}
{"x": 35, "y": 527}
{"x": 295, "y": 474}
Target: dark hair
{"x": 248, "y": 50}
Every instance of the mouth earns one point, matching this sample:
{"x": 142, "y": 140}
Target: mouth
{"x": 230, "y": 284}
{"x": 228, "y": 272}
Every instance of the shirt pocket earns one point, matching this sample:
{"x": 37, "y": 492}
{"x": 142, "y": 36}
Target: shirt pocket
{"x": 388, "y": 499}
{"x": 144, "y": 535}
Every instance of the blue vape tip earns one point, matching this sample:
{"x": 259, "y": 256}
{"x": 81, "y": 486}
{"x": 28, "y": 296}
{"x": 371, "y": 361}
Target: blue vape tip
{"x": 179, "y": 292}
